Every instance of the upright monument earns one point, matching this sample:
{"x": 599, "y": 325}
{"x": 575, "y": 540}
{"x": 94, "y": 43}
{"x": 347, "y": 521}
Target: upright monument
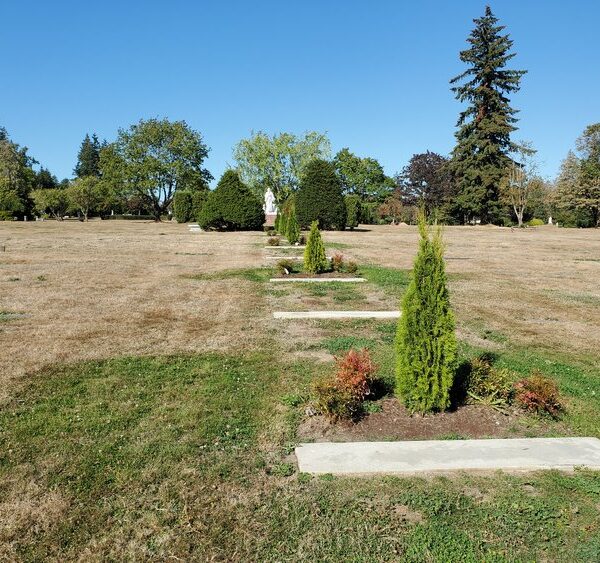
{"x": 270, "y": 208}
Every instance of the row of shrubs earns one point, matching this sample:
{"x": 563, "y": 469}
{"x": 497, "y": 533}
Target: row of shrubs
{"x": 233, "y": 206}
{"x": 342, "y": 394}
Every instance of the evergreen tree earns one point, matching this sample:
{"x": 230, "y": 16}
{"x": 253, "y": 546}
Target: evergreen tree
{"x": 425, "y": 341}
{"x": 481, "y": 155}
{"x": 315, "y": 260}
{"x": 232, "y": 206}
{"x": 182, "y": 206}
{"x": 320, "y": 197}
{"x": 88, "y": 158}
{"x": 293, "y": 229}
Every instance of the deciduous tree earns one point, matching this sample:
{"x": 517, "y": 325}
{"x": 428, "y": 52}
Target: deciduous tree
{"x": 278, "y": 161}
{"x": 154, "y": 158}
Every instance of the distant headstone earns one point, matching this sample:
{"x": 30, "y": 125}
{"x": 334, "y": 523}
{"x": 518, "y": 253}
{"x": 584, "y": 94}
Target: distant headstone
{"x": 550, "y": 220}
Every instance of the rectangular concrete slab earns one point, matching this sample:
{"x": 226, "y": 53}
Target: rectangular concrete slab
{"x": 336, "y": 314}
{"x": 520, "y": 454}
{"x": 319, "y": 280}
{"x": 289, "y": 257}
{"x": 273, "y": 247}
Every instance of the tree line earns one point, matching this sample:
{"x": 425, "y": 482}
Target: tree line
{"x": 487, "y": 178}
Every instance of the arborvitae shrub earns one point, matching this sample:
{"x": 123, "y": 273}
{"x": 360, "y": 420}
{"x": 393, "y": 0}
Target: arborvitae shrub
{"x": 199, "y": 198}
{"x": 425, "y": 341}
{"x": 277, "y": 219}
{"x": 315, "y": 260}
{"x": 232, "y": 206}
{"x": 293, "y": 229}
{"x": 319, "y": 197}
{"x": 353, "y": 210}
{"x": 182, "y": 206}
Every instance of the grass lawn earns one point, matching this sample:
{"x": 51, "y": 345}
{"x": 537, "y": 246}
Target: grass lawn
{"x": 167, "y": 453}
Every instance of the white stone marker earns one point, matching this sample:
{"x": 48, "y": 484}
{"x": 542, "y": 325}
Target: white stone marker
{"x": 519, "y": 454}
{"x": 336, "y": 314}
{"x": 319, "y": 280}
{"x": 273, "y": 247}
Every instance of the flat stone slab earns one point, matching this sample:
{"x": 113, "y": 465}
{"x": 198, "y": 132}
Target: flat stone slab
{"x": 336, "y": 314}
{"x": 295, "y": 258}
{"x": 319, "y": 280}
{"x": 520, "y": 454}
{"x": 274, "y": 247}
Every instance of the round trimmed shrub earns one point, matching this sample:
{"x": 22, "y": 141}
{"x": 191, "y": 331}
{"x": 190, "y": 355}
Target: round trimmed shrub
{"x": 320, "y": 198}
{"x": 232, "y": 206}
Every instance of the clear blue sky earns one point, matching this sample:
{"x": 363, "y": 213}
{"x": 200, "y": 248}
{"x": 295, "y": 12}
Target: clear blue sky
{"x": 374, "y": 75}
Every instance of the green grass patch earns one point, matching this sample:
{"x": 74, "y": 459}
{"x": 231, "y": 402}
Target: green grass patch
{"x": 182, "y": 457}
{"x": 345, "y": 343}
{"x": 392, "y": 281}
{"x": 258, "y": 275}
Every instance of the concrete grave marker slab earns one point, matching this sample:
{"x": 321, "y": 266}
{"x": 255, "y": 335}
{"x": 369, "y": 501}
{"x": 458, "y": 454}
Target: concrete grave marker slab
{"x": 336, "y": 314}
{"x": 519, "y": 454}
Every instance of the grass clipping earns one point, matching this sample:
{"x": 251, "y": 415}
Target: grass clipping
{"x": 425, "y": 341}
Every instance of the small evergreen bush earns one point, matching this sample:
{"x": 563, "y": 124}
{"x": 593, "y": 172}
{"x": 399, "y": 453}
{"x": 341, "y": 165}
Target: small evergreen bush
{"x": 315, "y": 260}
{"x": 182, "y": 206}
{"x": 232, "y": 207}
{"x": 337, "y": 262}
{"x": 425, "y": 340}
{"x": 292, "y": 232}
{"x": 320, "y": 198}
{"x": 353, "y": 211}
{"x": 535, "y": 222}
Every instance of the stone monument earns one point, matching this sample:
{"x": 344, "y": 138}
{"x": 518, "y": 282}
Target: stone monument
{"x": 270, "y": 208}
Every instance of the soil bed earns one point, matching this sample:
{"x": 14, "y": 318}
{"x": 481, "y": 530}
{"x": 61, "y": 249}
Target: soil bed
{"x": 395, "y": 423}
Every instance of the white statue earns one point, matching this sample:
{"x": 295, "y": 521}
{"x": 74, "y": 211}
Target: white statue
{"x": 270, "y": 207}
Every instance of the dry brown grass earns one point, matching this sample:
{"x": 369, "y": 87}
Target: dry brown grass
{"x": 110, "y": 288}
{"x": 536, "y": 286}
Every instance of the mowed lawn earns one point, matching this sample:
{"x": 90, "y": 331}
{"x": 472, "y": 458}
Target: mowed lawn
{"x": 150, "y": 402}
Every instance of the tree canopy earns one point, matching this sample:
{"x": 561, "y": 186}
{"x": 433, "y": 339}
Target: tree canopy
{"x": 88, "y": 158}
{"x": 426, "y": 181}
{"x": 278, "y": 161}
{"x": 154, "y": 158}
{"x": 363, "y": 177}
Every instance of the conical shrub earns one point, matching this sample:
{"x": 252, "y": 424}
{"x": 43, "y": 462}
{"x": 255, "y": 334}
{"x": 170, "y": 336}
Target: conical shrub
{"x": 425, "y": 340}
{"x": 293, "y": 229}
{"x": 315, "y": 260}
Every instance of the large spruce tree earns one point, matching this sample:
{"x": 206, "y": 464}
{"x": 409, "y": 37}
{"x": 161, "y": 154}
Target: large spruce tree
{"x": 88, "y": 158}
{"x": 481, "y": 155}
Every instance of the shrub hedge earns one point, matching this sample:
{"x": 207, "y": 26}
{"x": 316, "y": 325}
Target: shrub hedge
{"x": 232, "y": 206}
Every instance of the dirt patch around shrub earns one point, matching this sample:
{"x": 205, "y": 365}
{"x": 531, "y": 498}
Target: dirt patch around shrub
{"x": 394, "y": 422}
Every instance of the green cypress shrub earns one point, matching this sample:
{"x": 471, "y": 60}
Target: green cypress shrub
{"x": 353, "y": 211}
{"x": 182, "y": 206}
{"x": 277, "y": 221}
{"x": 315, "y": 260}
{"x": 320, "y": 198}
{"x": 199, "y": 198}
{"x": 232, "y": 206}
{"x": 293, "y": 229}
{"x": 425, "y": 340}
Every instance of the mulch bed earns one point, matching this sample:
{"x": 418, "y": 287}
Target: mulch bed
{"x": 394, "y": 422}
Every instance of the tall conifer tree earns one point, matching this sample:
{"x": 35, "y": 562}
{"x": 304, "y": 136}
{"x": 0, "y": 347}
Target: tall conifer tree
{"x": 88, "y": 158}
{"x": 481, "y": 155}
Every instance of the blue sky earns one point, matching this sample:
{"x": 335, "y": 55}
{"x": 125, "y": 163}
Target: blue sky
{"x": 374, "y": 75}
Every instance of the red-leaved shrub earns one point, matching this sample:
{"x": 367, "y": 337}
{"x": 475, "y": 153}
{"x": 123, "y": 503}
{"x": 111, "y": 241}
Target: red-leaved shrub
{"x": 538, "y": 393}
{"x": 355, "y": 371}
{"x": 341, "y": 395}
{"x": 337, "y": 262}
